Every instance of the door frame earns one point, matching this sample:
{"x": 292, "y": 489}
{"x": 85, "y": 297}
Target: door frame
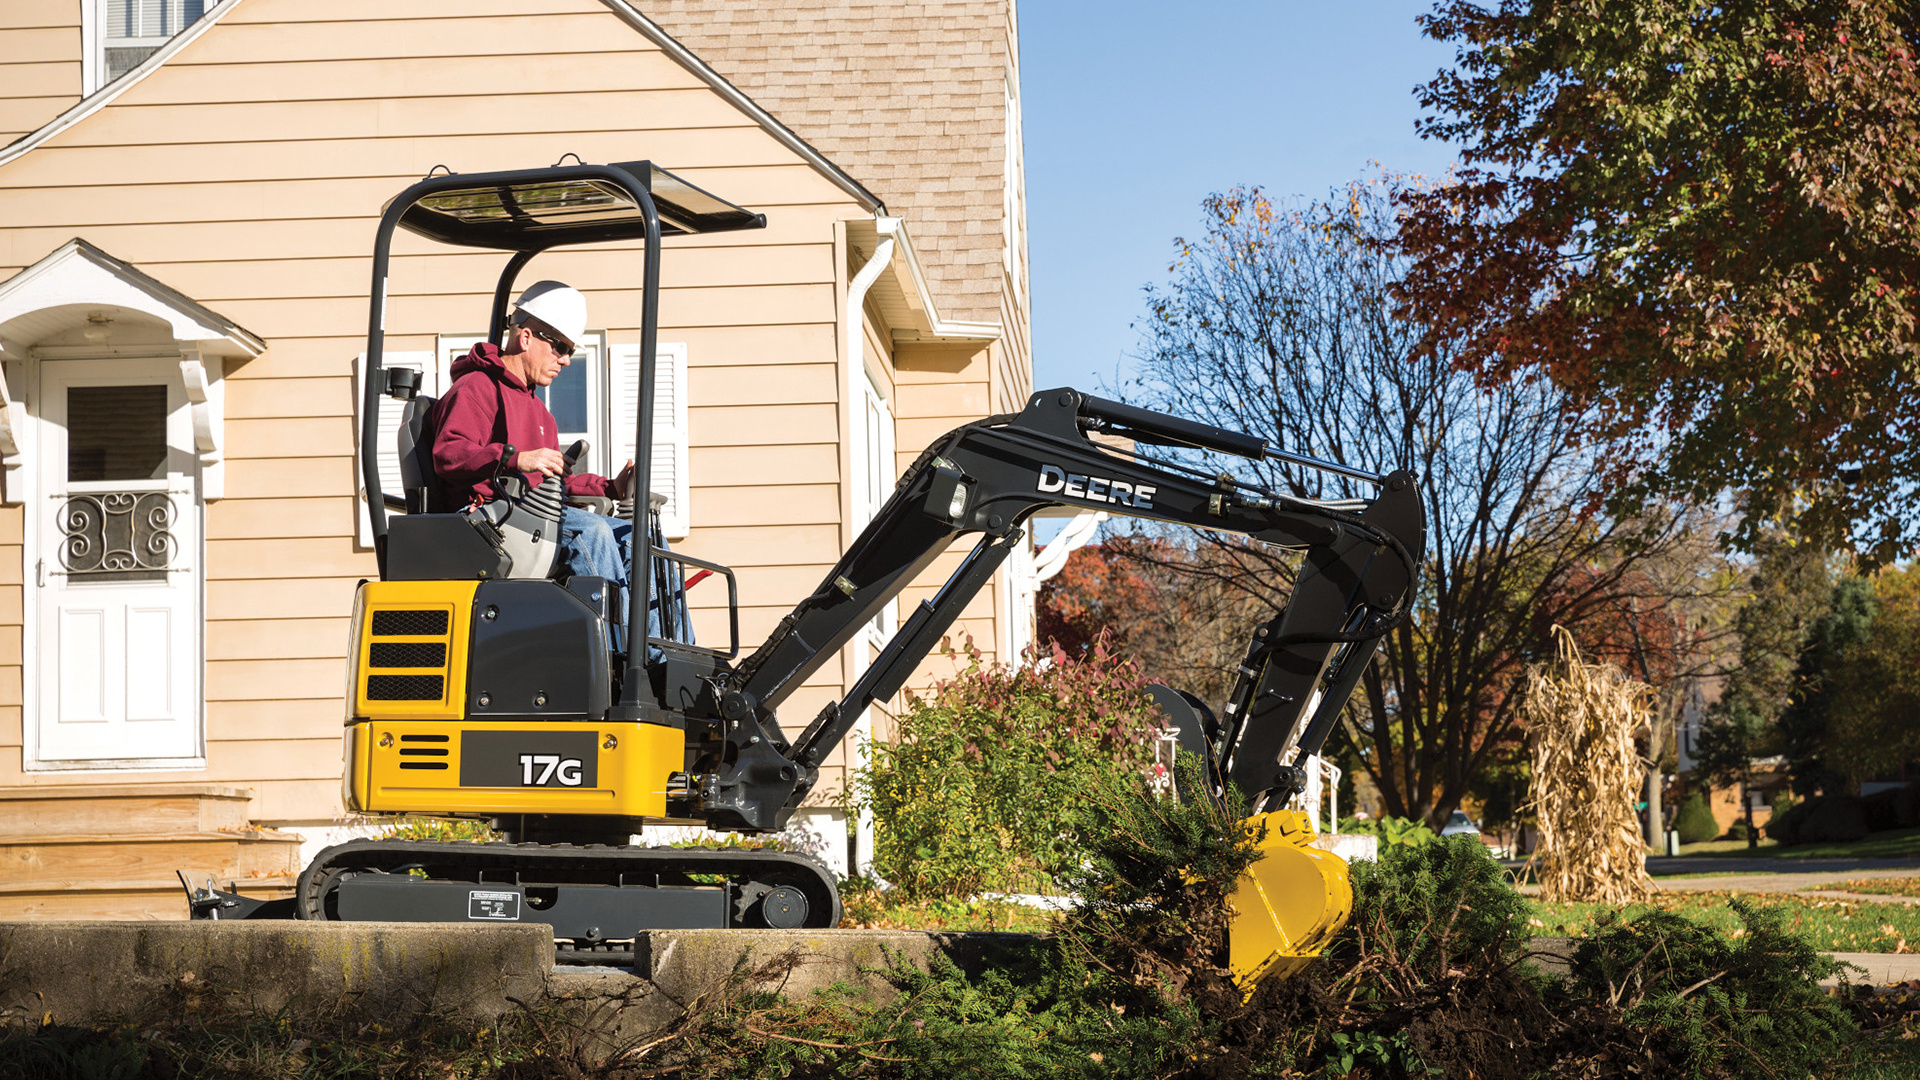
{"x": 31, "y": 553}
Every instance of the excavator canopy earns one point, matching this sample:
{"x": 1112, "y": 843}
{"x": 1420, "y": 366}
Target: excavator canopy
{"x": 533, "y": 209}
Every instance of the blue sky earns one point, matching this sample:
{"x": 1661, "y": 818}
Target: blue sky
{"x": 1134, "y": 112}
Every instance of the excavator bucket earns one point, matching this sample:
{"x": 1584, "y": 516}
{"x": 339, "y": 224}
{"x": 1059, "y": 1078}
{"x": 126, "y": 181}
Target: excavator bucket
{"x": 1289, "y": 903}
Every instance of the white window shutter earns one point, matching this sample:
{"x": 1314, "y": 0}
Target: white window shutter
{"x": 670, "y": 439}
{"x": 432, "y": 382}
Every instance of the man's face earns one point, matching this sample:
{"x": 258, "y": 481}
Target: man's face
{"x": 544, "y": 358}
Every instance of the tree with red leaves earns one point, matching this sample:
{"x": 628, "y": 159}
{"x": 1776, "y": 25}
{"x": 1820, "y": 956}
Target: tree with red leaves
{"x": 1158, "y": 605}
{"x": 1702, "y": 222}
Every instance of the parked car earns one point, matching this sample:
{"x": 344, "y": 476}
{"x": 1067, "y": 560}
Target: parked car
{"x": 1461, "y": 823}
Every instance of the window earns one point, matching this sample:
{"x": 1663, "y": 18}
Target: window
{"x": 133, "y": 30}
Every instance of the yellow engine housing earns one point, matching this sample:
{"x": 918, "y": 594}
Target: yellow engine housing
{"x": 418, "y": 767}
{"x": 1289, "y": 904}
{"x": 411, "y": 749}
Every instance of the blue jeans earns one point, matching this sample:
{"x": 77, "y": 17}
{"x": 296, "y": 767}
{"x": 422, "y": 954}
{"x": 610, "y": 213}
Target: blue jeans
{"x": 598, "y": 546}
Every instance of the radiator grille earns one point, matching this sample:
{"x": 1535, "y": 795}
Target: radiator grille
{"x": 404, "y": 687}
{"x": 409, "y": 623}
{"x": 392, "y": 654}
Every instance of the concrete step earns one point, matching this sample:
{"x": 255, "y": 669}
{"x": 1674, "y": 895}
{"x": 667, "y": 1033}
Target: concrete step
{"x": 120, "y": 902}
{"x": 120, "y": 810}
{"x": 94, "y": 861}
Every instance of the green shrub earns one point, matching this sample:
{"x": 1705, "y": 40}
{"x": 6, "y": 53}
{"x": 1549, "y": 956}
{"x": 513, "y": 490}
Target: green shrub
{"x": 1702, "y": 1005}
{"x": 445, "y": 829}
{"x": 1392, "y": 831}
{"x": 1695, "y": 823}
{"x": 983, "y": 787}
{"x": 1736, "y": 831}
{"x": 1433, "y": 907}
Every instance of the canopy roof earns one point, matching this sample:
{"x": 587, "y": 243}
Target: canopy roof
{"x": 532, "y": 209}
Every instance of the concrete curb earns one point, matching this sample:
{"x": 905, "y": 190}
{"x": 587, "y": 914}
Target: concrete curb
{"x": 106, "y": 972}
{"x": 86, "y": 973}
{"x": 95, "y": 973}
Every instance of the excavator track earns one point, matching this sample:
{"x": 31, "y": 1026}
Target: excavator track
{"x": 597, "y": 898}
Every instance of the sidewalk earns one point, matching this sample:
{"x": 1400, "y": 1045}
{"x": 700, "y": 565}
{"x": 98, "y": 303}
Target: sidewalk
{"x": 1550, "y": 954}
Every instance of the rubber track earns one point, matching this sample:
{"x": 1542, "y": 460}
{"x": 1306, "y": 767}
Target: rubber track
{"x": 552, "y": 863}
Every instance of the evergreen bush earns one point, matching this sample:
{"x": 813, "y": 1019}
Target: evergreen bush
{"x": 1703, "y": 1005}
{"x": 1695, "y": 823}
{"x": 983, "y": 788}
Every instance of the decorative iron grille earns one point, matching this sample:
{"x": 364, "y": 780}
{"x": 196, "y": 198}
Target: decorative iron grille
{"x": 117, "y": 535}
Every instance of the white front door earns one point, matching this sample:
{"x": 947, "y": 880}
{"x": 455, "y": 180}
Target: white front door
{"x": 117, "y": 567}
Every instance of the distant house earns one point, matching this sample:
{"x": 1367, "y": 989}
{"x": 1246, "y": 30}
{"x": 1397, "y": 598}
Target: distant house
{"x": 188, "y": 199}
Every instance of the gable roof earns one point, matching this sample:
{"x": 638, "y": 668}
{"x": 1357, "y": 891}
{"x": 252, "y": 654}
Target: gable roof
{"x": 679, "y": 53}
{"x": 912, "y": 96}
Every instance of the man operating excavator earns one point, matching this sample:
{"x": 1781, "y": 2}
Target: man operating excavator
{"x": 491, "y": 421}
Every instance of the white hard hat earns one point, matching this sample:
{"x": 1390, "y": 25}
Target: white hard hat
{"x": 558, "y": 305}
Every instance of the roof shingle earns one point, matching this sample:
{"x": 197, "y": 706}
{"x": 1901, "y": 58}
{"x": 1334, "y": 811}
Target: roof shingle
{"x": 909, "y": 98}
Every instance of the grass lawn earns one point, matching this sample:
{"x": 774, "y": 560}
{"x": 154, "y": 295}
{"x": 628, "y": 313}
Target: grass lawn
{"x": 1830, "y": 925}
{"x": 1891, "y": 1056}
{"x": 1892, "y": 844}
{"x": 1887, "y": 886}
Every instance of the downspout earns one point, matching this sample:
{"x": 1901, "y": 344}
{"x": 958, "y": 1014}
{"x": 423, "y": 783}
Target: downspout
{"x": 855, "y": 322}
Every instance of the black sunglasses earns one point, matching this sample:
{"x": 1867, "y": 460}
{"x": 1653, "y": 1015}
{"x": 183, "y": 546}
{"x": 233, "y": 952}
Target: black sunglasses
{"x": 560, "y": 348}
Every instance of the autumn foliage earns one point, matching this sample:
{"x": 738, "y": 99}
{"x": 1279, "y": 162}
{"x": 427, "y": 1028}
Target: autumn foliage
{"x": 1173, "y": 609}
{"x": 1701, "y": 221}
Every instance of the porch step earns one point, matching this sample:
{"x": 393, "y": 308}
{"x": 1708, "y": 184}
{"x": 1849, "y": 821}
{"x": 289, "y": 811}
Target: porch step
{"x": 119, "y": 809}
{"x": 86, "y": 860}
{"x": 110, "y": 851}
{"x": 152, "y": 899}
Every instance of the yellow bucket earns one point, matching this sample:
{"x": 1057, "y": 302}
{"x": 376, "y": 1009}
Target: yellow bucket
{"x": 1288, "y": 904}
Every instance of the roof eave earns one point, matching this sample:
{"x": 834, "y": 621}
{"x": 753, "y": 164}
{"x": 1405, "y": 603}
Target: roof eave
{"x": 100, "y": 98}
{"x": 683, "y": 56}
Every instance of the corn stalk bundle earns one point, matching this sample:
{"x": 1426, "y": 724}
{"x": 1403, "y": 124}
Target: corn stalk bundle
{"x": 1581, "y": 721}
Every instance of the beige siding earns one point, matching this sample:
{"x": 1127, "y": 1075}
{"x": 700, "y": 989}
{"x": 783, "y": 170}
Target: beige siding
{"x": 248, "y": 172}
{"x": 39, "y": 63}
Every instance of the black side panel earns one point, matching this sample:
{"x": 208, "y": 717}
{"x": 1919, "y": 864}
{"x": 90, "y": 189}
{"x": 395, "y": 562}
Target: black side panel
{"x": 440, "y": 547}
{"x": 539, "y": 653}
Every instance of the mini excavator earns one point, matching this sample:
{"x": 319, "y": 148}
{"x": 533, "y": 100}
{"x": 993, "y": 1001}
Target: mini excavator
{"x": 482, "y": 686}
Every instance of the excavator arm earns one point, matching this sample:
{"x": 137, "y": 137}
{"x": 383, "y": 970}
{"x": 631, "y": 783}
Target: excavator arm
{"x": 988, "y": 478}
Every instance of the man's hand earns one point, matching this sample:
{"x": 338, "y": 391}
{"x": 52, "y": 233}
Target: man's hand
{"x": 545, "y": 462}
{"x": 619, "y": 484}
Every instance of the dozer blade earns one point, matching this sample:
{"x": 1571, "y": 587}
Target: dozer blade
{"x": 1289, "y": 903}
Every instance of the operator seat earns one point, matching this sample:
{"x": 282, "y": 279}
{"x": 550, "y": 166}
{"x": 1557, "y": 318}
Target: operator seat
{"x": 424, "y": 494}
{"x": 432, "y": 541}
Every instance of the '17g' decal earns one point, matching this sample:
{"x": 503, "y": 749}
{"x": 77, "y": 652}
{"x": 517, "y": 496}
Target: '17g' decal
{"x": 540, "y": 770}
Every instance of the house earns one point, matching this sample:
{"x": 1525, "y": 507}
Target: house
{"x": 189, "y": 198}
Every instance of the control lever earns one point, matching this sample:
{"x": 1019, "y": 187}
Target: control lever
{"x": 506, "y": 480}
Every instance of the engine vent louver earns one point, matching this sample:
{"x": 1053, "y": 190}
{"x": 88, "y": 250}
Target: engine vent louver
{"x": 407, "y": 654}
{"x": 400, "y": 667}
{"x": 409, "y": 623}
{"x": 405, "y": 687}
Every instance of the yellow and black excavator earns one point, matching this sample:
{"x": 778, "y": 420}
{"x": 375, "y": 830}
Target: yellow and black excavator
{"x": 484, "y": 686}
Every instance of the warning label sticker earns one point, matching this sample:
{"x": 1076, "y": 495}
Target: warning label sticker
{"x": 493, "y": 905}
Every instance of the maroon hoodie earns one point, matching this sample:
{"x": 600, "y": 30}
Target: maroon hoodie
{"x": 486, "y": 408}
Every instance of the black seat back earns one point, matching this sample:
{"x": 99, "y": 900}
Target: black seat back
{"x": 415, "y": 437}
